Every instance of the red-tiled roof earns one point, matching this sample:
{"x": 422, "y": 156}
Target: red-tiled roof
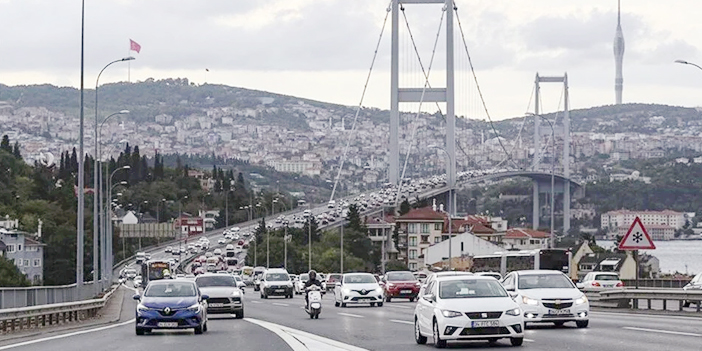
{"x": 480, "y": 228}
{"x": 475, "y": 219}
{"x": 518, "y": 233}
{"x": 419, "y": 214}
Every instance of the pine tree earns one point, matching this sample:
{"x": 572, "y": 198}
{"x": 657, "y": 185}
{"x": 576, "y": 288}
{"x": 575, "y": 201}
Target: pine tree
{"x": 16, "y": 151}
{"x": 5, "y": 144}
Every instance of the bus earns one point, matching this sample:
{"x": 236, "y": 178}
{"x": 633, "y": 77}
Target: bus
{"x": 508, "y": 261}
{"x": 154, "y": 270}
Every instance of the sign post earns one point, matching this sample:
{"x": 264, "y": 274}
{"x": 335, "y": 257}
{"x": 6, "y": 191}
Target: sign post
{"x": 636, "y": 239}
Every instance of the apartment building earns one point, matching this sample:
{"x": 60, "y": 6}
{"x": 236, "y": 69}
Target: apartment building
{"x": 661, "y": 225}
{"x": 417, "y": 230}
{"x": 26, "y": 253}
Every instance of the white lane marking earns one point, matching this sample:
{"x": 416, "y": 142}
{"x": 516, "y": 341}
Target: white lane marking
{"x": 299, "y": 340}
{"x": 639, "y": 315}
{"x": 403, "y": 322}
{"x": 528, "y": 340}
{"x": 398, "y": 306}
{"x": 662, "y": 331}
{"x": 281, "y": 304}
{"x": 30, "y": 342}
{"x": 254, "y": 301}
{"x": 349, "y": 315}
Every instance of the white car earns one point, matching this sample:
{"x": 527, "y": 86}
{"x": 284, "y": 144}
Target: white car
{"x": 218, "y": 252}
{"x": 299, "y": 283}
{"x": 222, "y": 241}
{"x": 467, "y": 308}
{"x": 168, "y": 249}
{"x": 357, "y": 288}
{"x": 495, "y": 275}
{"x": 598, "y": 281}
{"x": 548, "y": 296}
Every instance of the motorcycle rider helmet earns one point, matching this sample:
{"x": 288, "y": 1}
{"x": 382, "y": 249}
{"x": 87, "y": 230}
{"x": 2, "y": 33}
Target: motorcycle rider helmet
{"x": 312, "y": 274}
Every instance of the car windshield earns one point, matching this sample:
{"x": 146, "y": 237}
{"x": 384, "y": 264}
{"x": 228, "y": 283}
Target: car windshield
{"x": 174, "y": 289}
{"x": 606, "y": 277}
{"x": 215, "y": 280}
{"x": 470, "y": 288}
{"x": 237, "y": 278}
{"x": 544, "y": 281}
{"x": 400, "y": 277}
{"x": 359, "y": 279}
{"x": 277, "y": 276}
{"x": 304, "y": 277}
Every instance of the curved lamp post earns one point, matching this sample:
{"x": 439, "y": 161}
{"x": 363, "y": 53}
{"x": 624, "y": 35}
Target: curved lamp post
{"x": 450, "y": 208}
{"x": 688, "y": 63}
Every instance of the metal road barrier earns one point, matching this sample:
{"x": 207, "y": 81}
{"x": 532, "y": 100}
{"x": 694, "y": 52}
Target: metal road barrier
{"x": 16, "y": 319}
{"x": 632, "y": 298}
{"x": 42, "y": 295}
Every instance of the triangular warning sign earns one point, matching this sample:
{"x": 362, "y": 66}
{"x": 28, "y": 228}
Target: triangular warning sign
{"x": 637, "y": 238}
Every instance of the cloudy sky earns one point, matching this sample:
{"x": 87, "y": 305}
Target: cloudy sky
{"x": 322, "y": 49}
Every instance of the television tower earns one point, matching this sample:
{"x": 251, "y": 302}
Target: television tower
{"x": 619, "y": 56}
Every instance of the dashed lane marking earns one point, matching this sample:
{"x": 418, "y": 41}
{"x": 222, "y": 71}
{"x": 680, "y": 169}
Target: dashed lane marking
{"x": 528, "y": 340}
{"x": 281, "y": 304}
{"x": 403, "y": 322}
{"x": 398, "y": 306}
{"x": 254, "y": 301}
{"x": 30, "y": 342}
{"x": 349, "y": 315}
{"x": 662, "y": 331}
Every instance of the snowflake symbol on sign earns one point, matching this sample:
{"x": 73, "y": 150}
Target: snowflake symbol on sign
{"x": 638, "y": 237}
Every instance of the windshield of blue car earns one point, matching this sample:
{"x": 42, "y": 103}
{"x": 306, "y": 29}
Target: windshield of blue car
{"x": 545, "y": 281}
{"x": 219, "y": 280}
{"x": 276, "y": 277}
{"x": 400, "y": 277}
{"x": 359, "y": 279}
{"x": 174, "y": 289}
{"x": 470, "y": 288}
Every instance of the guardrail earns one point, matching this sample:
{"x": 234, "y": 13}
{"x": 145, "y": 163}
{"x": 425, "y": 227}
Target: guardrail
{"x": 19, "y": 297}
{"x": 657, "y": 283}
{"x": 14, "y": 319}
{"x": 632, "y": 298}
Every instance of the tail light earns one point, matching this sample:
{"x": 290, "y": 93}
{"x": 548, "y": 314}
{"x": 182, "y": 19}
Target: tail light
{"x": 620, "y": 284}
{"x": 596, "y": 284}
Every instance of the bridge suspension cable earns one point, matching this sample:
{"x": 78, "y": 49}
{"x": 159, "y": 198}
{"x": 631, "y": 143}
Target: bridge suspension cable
{"x": 480, "y": 92}
{"x": 419, "y": 109}
{"x": 521, "y": 129}
{"x": 426, "y": 76}
{"x": 351, "y": 134}
{"x": 543, "y": 148}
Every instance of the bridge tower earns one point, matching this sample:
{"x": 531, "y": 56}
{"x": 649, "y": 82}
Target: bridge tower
{"x": 398, "y": 95}
{"x": 565, "y": 159}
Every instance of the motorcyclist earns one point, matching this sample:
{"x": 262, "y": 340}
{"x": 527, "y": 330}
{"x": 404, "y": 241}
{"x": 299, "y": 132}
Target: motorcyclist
{"x": 311, "y": 281}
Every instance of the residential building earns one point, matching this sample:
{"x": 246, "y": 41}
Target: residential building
{"x": 655, "y": 231}
{"x": 462, "y": 245}
{"x": 417, "y": 230}
{"x": 526, "y": 239}
{"x": 25, "y": 252}
{"x": 309, "y": 168}
{"x": 612, "y": 220}
{"x": 622, "y": 263}
{"x": 380, "y": 232}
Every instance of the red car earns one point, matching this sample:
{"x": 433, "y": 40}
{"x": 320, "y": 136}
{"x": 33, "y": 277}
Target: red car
{"x": 401, "y": 284}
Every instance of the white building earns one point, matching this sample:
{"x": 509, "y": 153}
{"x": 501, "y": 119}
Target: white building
{"x": 465, "y": 244}
{"x": 309, "y": 168}
{"x": 655, "y": 220}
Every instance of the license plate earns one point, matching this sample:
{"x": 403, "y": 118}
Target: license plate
{"x": 607, "y": 285}
{"x": 405, "y": 291}
{"x": 216, "y": 305}
{"x": 560, "y": 312}
{"x": 279, "y": 290}
{"x": 167, "y": 324}
{"x": 485, "y": 324}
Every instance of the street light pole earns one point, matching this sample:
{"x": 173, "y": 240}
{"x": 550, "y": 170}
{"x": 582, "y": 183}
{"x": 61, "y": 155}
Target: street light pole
{"x": 108, "y": 236}
{"x": 96, "y": 167}
{"x": 688, "y": 63}
{"x": 285, "y": 245}
{"x": 450, "y": 203}
{"x": 268, "y": 236}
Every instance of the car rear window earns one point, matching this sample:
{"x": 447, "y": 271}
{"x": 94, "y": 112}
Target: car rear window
{"x": 219, "y": 280}
{"x": 606, "y": 277}
{"x": 400, "y": 277}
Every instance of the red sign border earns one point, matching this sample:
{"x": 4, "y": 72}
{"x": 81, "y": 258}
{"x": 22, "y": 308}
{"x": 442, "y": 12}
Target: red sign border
{"x": 621, "y": 247}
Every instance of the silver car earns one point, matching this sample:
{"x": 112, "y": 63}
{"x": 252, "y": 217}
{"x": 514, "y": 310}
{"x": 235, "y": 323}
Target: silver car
{"x": 224, "y": 294}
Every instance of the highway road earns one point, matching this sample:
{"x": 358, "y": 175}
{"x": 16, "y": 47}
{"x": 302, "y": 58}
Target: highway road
{"x": 273, "y": 323}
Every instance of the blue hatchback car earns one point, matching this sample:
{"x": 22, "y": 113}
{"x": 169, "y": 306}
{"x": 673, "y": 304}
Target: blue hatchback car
{"x": 171, "y": 304}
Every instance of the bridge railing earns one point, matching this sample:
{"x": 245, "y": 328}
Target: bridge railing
{"x": 34, "y": 317}
{"x": 18, "y": 297}
{"x": 650, "y": 299}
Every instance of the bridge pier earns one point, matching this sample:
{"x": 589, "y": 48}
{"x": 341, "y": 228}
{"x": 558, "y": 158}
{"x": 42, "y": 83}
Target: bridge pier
{"x": 535, "y": 202}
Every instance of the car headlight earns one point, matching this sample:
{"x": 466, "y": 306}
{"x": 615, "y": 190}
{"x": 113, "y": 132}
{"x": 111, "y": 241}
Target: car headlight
{"x": 450, "y": 314}
{"x": 379, "y": 290}
{"x": 142, "y": 308}
{"x": 194, "y": 308}
{"x": 529, "y": 301}
{"x": 289, "y": 285}
{"x": 390, "y": 285}
{"x": 346, "y": 291}
{"x": 514, "y": 312}
{"x": 236, "y": 293}
{"x": 581, "y": 300}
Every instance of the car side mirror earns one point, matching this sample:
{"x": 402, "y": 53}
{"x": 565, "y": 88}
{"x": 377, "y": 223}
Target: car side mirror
{"x": 430, "y": 297}
{"x": 205, "y": 297}
{"x": 136, "y": 297}
{"x": 580, "y": 286}
{"x": 513, "y": 294}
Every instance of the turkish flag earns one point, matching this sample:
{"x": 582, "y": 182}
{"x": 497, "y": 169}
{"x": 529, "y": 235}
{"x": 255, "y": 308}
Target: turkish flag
{"x": 134, "y": 46}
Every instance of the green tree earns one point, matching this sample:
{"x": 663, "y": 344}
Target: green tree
{"x": 404, "y": 207}
{"x": 395, "y": 265}
{"x": 10, "y": 275}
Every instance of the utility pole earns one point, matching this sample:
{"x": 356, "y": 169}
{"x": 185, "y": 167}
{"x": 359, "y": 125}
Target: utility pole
{"x": 342, "y": 249}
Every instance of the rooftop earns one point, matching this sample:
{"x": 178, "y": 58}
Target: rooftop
{"x": 422, "y": 214}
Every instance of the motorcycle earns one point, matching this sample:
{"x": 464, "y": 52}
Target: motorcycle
{"x": 314, "y": 301}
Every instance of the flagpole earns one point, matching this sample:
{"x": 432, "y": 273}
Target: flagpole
{"x": 129, "y": 65}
